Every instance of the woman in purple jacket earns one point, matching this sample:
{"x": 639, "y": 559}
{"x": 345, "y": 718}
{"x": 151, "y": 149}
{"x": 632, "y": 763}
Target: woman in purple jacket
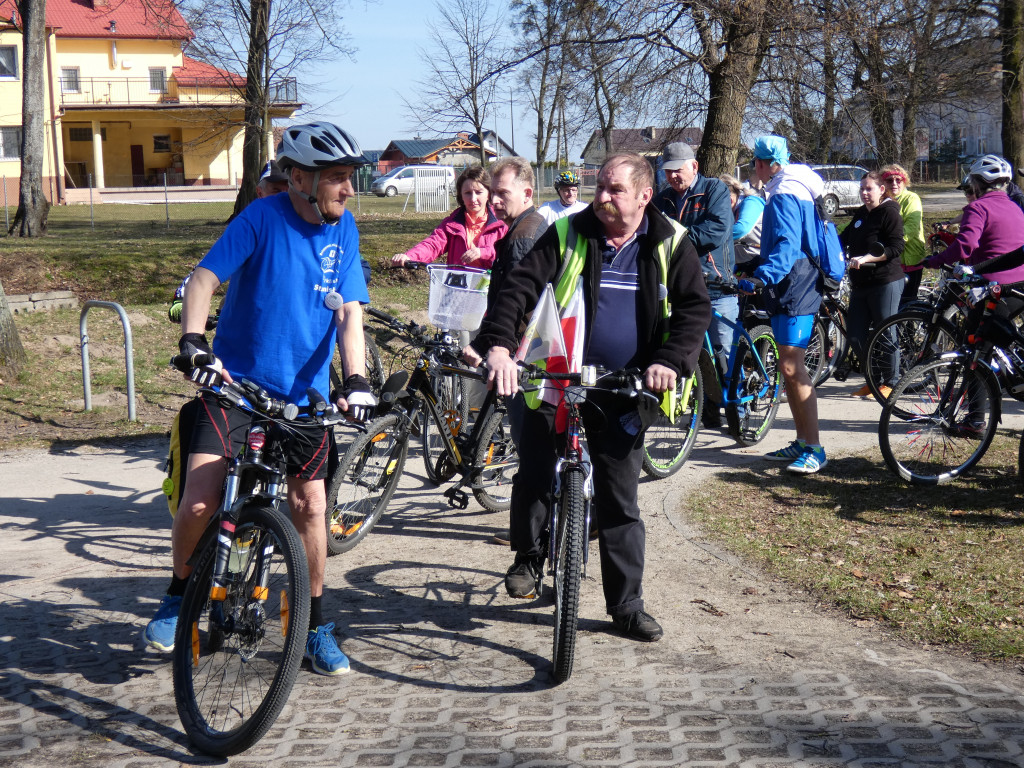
{"x": 469, "y": 233}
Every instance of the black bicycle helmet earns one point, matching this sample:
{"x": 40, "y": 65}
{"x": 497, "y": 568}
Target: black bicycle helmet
{"x": 315, "y": 146}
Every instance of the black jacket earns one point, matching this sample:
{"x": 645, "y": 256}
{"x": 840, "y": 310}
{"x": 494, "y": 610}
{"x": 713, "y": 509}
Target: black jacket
{"x": 691, "y": 308}
{"x": 510, "y": 249}
{"x": 883, "y": 224}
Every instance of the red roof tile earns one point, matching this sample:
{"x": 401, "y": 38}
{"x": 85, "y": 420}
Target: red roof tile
{"x": 92, "y": 18}
{"x": 199, "y": 73}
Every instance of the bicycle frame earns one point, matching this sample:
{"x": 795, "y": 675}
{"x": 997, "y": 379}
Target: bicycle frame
{"x": 729, "y": 397}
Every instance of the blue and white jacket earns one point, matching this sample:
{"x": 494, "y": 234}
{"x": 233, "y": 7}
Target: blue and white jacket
{"x": 788, "y": 235}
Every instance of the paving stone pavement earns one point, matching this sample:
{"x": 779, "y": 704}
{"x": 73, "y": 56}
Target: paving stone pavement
{"x": 447, "y": 671}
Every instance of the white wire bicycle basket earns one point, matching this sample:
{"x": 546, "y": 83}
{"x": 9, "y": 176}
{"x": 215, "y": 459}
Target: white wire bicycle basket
{"x": 458, "y": 297}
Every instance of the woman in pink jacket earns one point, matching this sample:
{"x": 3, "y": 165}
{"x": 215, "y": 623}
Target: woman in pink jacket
{"x": 469, "y": 233}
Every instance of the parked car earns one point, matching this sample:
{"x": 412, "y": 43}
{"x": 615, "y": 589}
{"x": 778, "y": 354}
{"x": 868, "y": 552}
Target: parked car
{"x": 842, "y": 186}
{"x": 402, "y": 180}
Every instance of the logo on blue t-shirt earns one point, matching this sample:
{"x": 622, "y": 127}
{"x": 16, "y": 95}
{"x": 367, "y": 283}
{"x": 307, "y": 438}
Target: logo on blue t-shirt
{"x": 330, "y": 256}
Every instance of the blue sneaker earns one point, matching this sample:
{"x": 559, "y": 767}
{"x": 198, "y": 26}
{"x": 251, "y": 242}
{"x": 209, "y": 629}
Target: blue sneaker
{"x": 791, "y": 452}
{"x": 159, "y": 632}
{"x": 323, "y": 652}
{"x": 809, "y": 462}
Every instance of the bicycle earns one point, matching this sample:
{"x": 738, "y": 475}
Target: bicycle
{"x": 572, "y": 495}
{"x": 748, "y": 390}
{"x": 242, "y": 625}
{"x": 483, "y": 457}
{"x": 943, "y": 414}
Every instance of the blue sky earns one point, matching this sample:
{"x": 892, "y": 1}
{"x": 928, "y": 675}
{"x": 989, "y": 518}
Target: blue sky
{"x": 364, "y": 95}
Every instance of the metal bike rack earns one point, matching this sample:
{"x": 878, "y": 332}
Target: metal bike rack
{"x": 128, "y": 353}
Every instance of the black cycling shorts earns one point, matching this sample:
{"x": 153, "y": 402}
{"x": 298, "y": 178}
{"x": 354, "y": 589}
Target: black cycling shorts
{"x": 221, "y": 431}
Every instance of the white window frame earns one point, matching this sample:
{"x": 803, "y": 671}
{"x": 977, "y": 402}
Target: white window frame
{"x": 163, "y": 80}
{"x": 8, "y": 152}
{"x": 64, "y": 84}
{"x": 14, "y": 63}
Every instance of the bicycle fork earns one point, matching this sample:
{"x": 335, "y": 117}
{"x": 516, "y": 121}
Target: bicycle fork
{"x": 579, "y": 458}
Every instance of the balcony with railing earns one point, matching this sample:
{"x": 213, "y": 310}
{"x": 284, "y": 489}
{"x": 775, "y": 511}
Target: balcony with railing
{"x": 77, "y": 93}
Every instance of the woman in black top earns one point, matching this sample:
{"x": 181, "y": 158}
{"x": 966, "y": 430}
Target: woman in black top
{"x": 876, "y": 281}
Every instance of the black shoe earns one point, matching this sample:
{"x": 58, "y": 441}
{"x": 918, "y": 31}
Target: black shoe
{"x": 524, "y": 578}
{"x": 502, "y": 537}
{"x": 639, "y": 626}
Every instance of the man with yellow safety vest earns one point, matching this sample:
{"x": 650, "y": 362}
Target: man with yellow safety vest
{"x": 645, "y": 306}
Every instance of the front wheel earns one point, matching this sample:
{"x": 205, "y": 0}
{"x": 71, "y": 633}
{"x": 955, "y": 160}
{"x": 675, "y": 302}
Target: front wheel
{"x": 235, "y": 659}
{"x": 831, "y": 204}
{"x": 571, "y": 540}
{"x": 453, "y": 408}
{"x": 901, "y": 342}
{"x": 365, "y": 482}
{"x": 939, "y": 421}
{"x": 753, "y": 398}
{"x": 497, "y": 461}
{"x": 668, "y": 442}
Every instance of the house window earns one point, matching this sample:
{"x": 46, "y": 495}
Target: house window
{"x": 161, "y": 142}
{"x": 9, "y": 62}
{"x": 69, "y": 82}
{"x": 157, "y": 80}
{"x": 85, "y": 134}
{"x": 10, "y": 143}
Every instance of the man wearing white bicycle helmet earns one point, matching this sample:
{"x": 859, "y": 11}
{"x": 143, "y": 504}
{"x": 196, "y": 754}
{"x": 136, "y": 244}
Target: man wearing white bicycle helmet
{"x": 296, "y": 288}
{"x": 991, "y": 225}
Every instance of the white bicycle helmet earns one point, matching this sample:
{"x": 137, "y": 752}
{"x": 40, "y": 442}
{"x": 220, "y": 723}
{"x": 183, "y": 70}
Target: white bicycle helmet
{"x": 991, "y": 168}
{"x": 316, "y": 146}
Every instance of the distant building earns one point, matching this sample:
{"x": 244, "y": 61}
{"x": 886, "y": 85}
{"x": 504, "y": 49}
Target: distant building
{"x": 459, "y": 150}
{"x": 648, "y": 142}
{"x": 124, "y": 105}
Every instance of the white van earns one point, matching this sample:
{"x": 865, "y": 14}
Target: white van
{"x": 402, "y": 180}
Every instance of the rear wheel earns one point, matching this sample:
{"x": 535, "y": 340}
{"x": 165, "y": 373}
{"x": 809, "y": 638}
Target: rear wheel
{"x": 365, "y": 482}
{"x": 498, "y": 461}
{"x": 939, "y": 421}
{"x": 816, "y": 354}
{"x": 754, "y": 392}
{"x": 901, "y": 342}
{"x": 668, "y": 442}
{"x": 836, "y": 347}
{"x": 570, "y": 540}
{"x": 453, "y": 407}
{"x": 235, "y": 660}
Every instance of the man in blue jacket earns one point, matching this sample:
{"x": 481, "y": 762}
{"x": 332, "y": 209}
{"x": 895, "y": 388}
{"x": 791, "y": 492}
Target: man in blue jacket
{"x": 792, "y": 288}
{"x": 703, "y": 206}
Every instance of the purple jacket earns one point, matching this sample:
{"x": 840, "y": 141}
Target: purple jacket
{"x": 450, "y": 238}
{"x": 991, "y": 226}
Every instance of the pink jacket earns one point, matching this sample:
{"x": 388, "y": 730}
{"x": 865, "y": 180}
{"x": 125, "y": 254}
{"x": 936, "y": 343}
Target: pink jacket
{"x": 991, "y": 226}
{"x": 450, "y": 238}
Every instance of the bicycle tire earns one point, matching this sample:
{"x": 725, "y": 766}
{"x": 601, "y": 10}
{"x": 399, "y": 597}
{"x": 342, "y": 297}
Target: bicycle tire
{"x": 838, "y": 347}
{"x": 230, "y": 686}
{"x": 906, "y": 333}
{"x": 668, "y": 443}
{"x": 752, "y": 418}
{"x": 816, "y": 353}
{"x": 571, "y": 540}
{"x": 374, "y": 366}
{"x": 497, "y": 456}
{"x": 945, "y": 434}
{"x": 367, "y": 477}
{"x": 453, "y": 407}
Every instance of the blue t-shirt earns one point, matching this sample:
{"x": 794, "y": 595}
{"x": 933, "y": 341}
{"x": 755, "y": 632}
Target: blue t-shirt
{"x": 274, "y": 327}
{"x": 613, "y": 339}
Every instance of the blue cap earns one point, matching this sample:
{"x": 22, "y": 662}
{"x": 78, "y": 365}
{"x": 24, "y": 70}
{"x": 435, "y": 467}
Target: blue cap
{"x": 772, "y": 148}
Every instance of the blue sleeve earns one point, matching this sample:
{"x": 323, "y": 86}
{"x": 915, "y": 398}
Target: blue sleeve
{"x": 781, "y": 236}
{"x": 233, "y": 247}
{"x": 713, "y": 230}
{"x": 751, "y": 210}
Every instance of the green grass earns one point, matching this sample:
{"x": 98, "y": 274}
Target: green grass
{"x": 937, "y": 566}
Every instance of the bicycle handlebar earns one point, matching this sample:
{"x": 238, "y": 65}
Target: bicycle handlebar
{"x": 627, "y": 382}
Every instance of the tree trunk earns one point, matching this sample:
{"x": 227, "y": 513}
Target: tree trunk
{"x": 1011, "y": 21}
{"x": 12, "y": 354}
{"x": 33, "y": 207}
{"x": 255, "y": 103}
{"x": 729, "y": 84}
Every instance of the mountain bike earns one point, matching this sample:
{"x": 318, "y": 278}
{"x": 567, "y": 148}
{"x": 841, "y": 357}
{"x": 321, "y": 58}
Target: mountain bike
{"x": 943, "y": 414}
{"x": 572, "y": 496}
{"x": 483, "y": 456}
{"x": 244, "y": 616}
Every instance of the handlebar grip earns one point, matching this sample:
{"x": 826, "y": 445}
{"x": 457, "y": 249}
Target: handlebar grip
{"x": 185, "y": 363}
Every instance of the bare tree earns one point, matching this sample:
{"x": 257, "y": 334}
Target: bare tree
{"x": 269, "y": 41}
{"x": 33, "y": 207}
{"x": 1011, "y": 34}
{"x": 459, "y": 84}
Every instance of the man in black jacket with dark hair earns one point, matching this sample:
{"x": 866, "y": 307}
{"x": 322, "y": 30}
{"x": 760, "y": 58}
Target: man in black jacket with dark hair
{"x": 634, "y": 258}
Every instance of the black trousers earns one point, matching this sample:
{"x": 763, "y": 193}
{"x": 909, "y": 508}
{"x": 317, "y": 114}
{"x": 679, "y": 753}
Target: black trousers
{"x": 617, "y": 456}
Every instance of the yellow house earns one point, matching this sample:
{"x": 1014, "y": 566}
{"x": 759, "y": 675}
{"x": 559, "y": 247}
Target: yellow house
{"x": 124, "y": 104}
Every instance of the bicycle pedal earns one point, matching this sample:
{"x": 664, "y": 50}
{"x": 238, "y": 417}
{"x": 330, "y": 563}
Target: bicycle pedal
{"x": 457, "y": 498}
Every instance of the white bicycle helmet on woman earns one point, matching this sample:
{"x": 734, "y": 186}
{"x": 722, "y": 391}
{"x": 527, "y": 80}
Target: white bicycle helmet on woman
{"x": 313, "y": 147}
{"x": 991, "y": 169}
